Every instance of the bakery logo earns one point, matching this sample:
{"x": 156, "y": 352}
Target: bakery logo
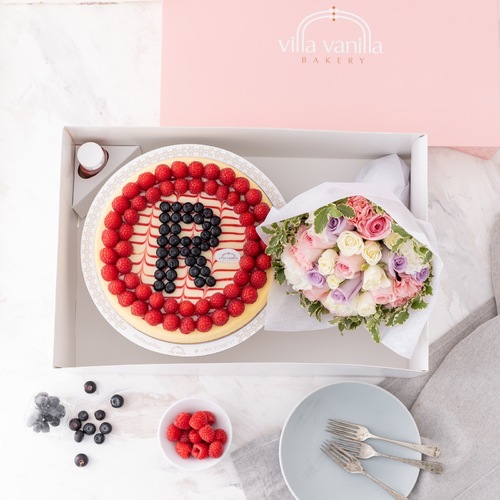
{"x": 227, "y": 256}
{"x": 332, "y": 51}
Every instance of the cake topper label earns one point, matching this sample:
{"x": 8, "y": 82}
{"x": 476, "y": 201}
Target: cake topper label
{"x": 227, "y": 256}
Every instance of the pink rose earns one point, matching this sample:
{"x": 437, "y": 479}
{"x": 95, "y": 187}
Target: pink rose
{"x": 404, "y": 290}
{"x": 308, "y": 248}
{"x": 348, "y": 267}
{"x": 383, "y": 295}
{"x": 316, "y": 293}
{"x": 362, "y": 207}
{"x": 375, "y": 228}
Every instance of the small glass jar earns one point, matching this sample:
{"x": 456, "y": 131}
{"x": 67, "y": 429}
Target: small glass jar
{"x": 92, "y": 158}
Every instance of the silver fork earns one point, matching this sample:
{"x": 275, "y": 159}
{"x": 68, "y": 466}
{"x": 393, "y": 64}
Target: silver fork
{"x": 351, "y": 464}
{"x": 361, "y": 433}
{"x": 365, "y": 451}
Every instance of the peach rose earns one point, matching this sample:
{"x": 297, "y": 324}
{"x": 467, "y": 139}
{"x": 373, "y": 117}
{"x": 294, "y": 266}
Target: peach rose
{"x": 383, "y": 295}
{"x": 362, "y": 207}
{"x": 348, "y": 267}
{"x": 404, "y": 290}
{"x": 308, "y": 248}
{"x": 316, "y": 293}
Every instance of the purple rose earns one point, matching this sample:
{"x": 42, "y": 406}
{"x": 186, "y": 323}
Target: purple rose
{"x": 421, "y": 275}
{"x": 347, "y": 290}
{"x": 335, "y": 226}
{"x": 397, "y": 264}
{"x": 315, "y": 278}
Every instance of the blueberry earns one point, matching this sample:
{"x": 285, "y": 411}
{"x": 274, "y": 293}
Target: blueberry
{"x": 100, "y": 414}
{"x": 187, "y": 218}
{"x": 164, "y": 229}
{"x": 211, "y": 281}
{"x": 75, "y": 424}
{"x": 44, "y": 427}
{"x": 208, "y": 213}
{"x": 176, "y": 218}
{"x": 199, "y": 282}
{"x": 198, "y": 219}
{"x": 201, "y": 260}
{"x": 174, "y": 240}
{"x": 53, "y": 401}
{"x": 37, "y": 427}
{"x": 105, "y": 427}
{"x": 176, "y": 206}
{"x": 190, "y": 261}
{"x": 81, "y": 460}
{"x": 78, "y": 436}
{"x": 158, "y": 286}
{"x": 159, "y": 274}
{"x": 172, "y": 263}
{"x": 215, "y": 231}
{"x": 173, "y": 252}
{"x": 196, "y": 240}
{"x": 89, "y": 428}
{"x": 194, "y": 271}
{"x": 205, "y": 271}
{"x": 206, "y": 226}
{"x": 162, "y": 241}
{"x": 41, "y": 399}
{"x": 198, "y": 207}
{"x": 205, "y": 235}
{"x": 161, "y": 252}
{"x": 185, "y": 241}
{"x": 56, "y": 421}
{"x": 213, "y": 242}
{"x": 169, "y": 287}
{"x": 187, "y": 207}
{"x": 164, "y": 218}
{"x": 90, "y": 387}
{"x": 99, "y": 438}
{"x": 60, "y": 411}
{"x": 161, "y": 264}
{"x": 117, "y": 401}
{"x": 185, "y": 251}
{"x": 165, "y": 206}
{"x": 204, "y": 246}
{"x": 215, "y": 221}
{"x": 83, "y": 416}
{"x": 196, "y": 251}
{"x": 176, "y": 229}
{"x": 171, "y": 275}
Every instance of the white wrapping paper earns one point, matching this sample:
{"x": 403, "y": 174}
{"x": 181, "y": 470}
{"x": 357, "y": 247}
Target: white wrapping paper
{"x": 283, "y": 312}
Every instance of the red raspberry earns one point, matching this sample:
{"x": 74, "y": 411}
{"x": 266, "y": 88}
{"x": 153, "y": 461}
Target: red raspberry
{"x": 173, "y": 433}
{"x": 162, "y": 172}
{"x": 187, "y": 325}
{"x": 260, "y": 211}
{"x": 131, "y": 280}
{"x": 195, "y": 186}
{"x": 195, "y": 169}
{"x": 247, "y": 263}
{"x": 217, "y": 300}
{"x": 139, "y": 203}
{"x": 211, "y": 171}
{"x": 247, "y": 219}
{"x": 232, "y": 198}
{"x": 108, "y": 256}
{"x": 126, "y": 298}
{"x": 143, "y": 291}
{"x": 120, "y": 204}
{"x": 171, "y": 322}
{"x": 156, "y": 300}
{"x": 220, "y": 435}
{"x": 124, "y": 248}
{"x": 251, "y": 233}
{"x": 241, "y": 207}
{"x": 184, "y": 437}
{"x": 210, "y": 417}
{"x": 258, "y": 278}
{"x": 166, "y": 188}
{"x": 153, "y": 195}
{"x": 139, "y": 308}
{"x": 220, "y": 317}
{"x": 186, "y": 308}
{"x": 222, "y": 193}
{"x": 211, "y": 187}
{"x": 215, "y": 449}
{"x": 204, "y": 323}
{"x": 116, "y": 287}
{"x": 194, "y": 436}
{"x": 263, "y": 246}
{"x": 181, "y": 186}
{"x": 241, "y": 185}
{"x": 241, "y": 278}
{"x": 235, "y": 307}
{"x": 263, "y": 262}
{"x": 227, "y": 176}
{"x": 182, "y": 420}
{"x": 249, "y": 295}
{"x": 109, "y": 272}
{"x": 207, "y": 433}
{"x": 171, "y": 306}
{"x": 131, "y": 216}
{"x": 179, "y": 169}
{"x": 231, "y": 291}
{"x": 253, "y": 197}
{"x": 113, "y": 220}
{"x": 202, "y": 307}
{"x": 146, "y": 180}
{"x": 200, "y": 451}
{"x": 131, "y": 190}
{"x": 251, "y": 248}
{"x": 126, "y": 231}
{"x": 183, "y": 449}
{"x": 110, "y": 238}
{"x": 124, "y": 265}
{"x": 198, "y": 420}
{"x": 154, "y": 317}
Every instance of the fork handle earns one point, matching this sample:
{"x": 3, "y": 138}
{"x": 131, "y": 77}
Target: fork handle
{"x": 430, "y": 451}
{"x": 389, "y": 490}
{"x": 434, "y": 467}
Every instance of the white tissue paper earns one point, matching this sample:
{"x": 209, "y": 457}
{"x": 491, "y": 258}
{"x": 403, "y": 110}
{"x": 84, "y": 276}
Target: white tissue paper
{"x": 384, "y": 181}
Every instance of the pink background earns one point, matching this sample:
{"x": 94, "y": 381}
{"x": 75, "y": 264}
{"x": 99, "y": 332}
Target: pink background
{"x": 222, "y": 65}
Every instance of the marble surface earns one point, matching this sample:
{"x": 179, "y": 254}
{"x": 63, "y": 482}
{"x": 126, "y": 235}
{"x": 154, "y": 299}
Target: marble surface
{"x": 91, "y": 64}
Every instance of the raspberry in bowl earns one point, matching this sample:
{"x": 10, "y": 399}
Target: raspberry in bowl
{"x": 194, "y": 434}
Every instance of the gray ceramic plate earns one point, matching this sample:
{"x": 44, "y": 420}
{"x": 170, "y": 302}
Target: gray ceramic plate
{"x": 311, "y": 475}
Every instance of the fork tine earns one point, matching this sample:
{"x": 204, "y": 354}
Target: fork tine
{"x": 347, "y": 444}
{"x": 343, "y": 423}
{"x": 341, "y": 431}
{"x": 335, "y": 453}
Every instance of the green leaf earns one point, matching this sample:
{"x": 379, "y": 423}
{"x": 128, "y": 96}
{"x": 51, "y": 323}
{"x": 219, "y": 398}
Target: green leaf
{"x": 397, "y": 318}
{"x": 399, "y": 230}
{"x": 279, "y": 276}
{"x": 346, "y": 211}
{"x": 316, "y": 309}
{"x": 418, "y": 303}
{"x": 334, "y": 212}
{"x": 321, "y": 218}
{"x": 372, "y": 325}
{"x": 267, "y": 230}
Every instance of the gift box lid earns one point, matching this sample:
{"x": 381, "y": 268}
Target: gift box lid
{"x": 357, "y": 66}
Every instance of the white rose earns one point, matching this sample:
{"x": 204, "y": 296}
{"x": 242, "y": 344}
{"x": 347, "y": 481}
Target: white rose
{"x": 372, "y": 252}
{"x": 294, "y": 275}
{"x": 366, "y": 305}
{"x": 348, "y": 309}
{"x": 391, "y": 240}
{"x": 334, "y": 281}
{"x": 350, "y": 243}
{"x": 374, "y": 278}
{"x": 415, "y": 263}
{"x": 326, "y": 263}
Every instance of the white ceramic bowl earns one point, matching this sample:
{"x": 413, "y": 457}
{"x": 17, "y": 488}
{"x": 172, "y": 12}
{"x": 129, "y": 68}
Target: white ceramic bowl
{"x": 190, "y": 405}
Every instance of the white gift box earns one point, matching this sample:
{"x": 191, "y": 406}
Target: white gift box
{"x": 294, "y": 160}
